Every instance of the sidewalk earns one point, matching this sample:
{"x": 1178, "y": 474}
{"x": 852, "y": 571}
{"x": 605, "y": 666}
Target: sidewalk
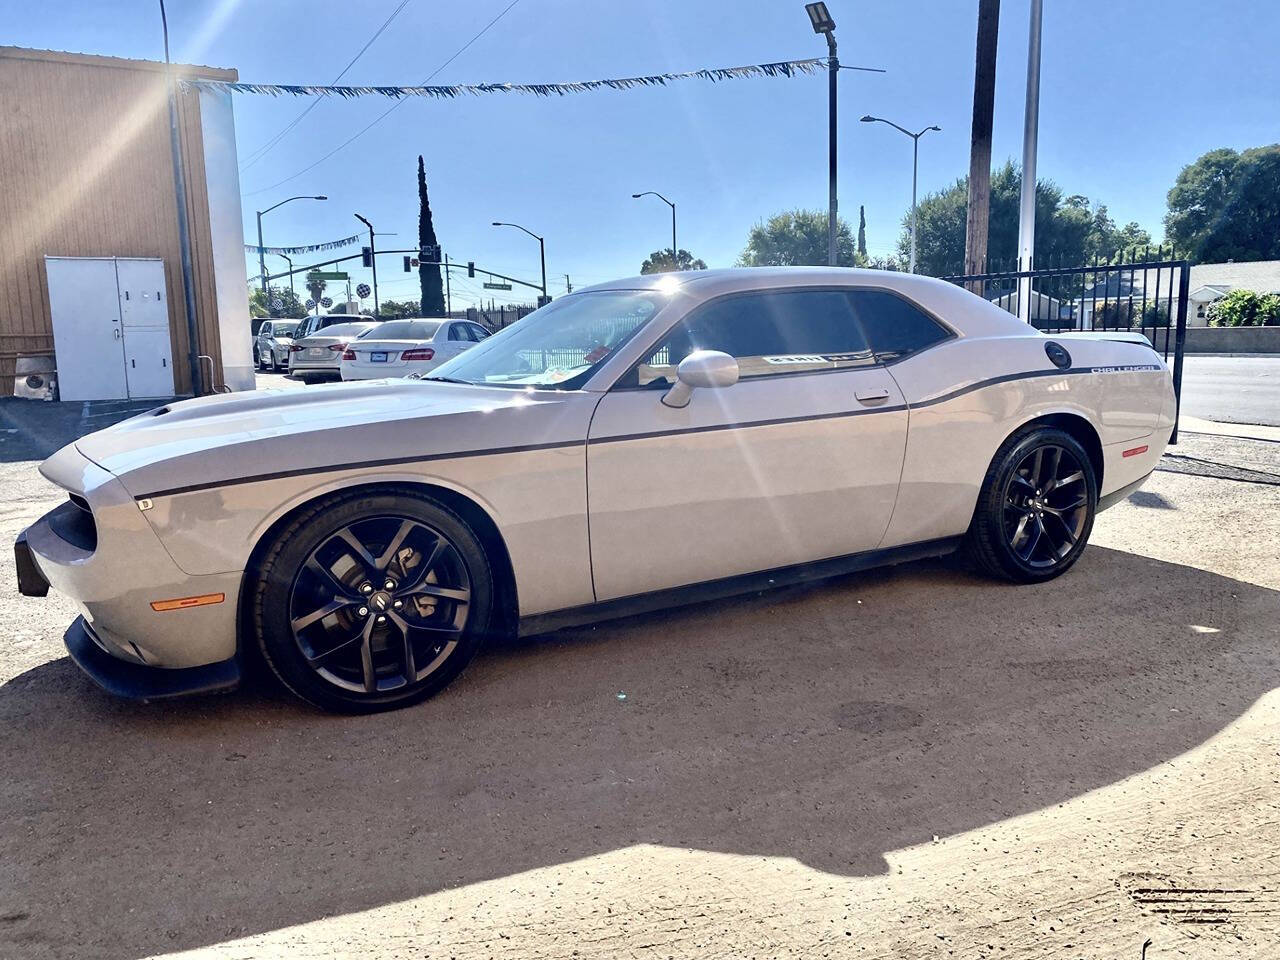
{"x": 1241, "y": 431}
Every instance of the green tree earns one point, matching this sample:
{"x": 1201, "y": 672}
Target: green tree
{"x": 428, "y": 274}
{"x": 262, "y": 304}
{"x": 1069, "y": 229}
{"x": 1226, "y": 206}
{"x": 797, "y": 238}
{"x": 660, "y": 262}
{"x": 399, "y": 309}
{"x": 315, "y": 286}
{"x": 862, "y": 231}
{"x": 1245, "y": 308}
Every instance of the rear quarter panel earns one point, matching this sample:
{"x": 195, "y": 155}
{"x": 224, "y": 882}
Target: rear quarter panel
{"x": 966, "y": 396}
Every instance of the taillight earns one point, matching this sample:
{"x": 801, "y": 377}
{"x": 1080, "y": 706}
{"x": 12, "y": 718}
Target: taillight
{"x": 426, "y": 353}
{"x": 349, "y": 355}
{"x": 337, "y": 347}
{"x": 294, "y": 348}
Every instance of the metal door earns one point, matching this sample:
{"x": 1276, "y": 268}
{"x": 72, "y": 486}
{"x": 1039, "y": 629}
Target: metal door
{"x": 144, "y": 315}
{"x": 87, "y": 336}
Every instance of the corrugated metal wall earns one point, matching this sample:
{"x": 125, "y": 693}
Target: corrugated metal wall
{"x": 86, "y": 171}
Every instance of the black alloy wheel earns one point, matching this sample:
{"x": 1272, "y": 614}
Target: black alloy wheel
{"x": 376, "y": 602}
{"x": 1036, "y": 507}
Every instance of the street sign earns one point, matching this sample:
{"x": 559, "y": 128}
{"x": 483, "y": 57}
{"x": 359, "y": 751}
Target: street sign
{"x": 362, "y": 290}
{"x": 429, "y": 252}
{"x": 497, "y": 286}
{"x": 330, "y": 275}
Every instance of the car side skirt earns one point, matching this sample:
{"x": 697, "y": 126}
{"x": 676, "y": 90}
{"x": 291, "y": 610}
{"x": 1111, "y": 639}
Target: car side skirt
{"x": 1115, "y": 496}
{"x": 733, "y": 586}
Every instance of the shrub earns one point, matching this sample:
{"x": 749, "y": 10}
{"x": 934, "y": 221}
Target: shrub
{"x": 1244, "y": 308}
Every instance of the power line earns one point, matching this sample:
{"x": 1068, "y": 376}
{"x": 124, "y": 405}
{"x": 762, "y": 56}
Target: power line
{"x": 382, "y": 116}
{"x": 262, "y": 151}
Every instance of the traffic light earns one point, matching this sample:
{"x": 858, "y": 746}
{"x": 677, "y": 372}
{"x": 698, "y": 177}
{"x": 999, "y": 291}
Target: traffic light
{"x": 471, "y": 268}
{"x": 366, "y": 256}
{"x": 407, "y": 268}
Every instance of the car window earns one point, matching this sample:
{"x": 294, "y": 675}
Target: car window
{"x": 768, "y": 333}
{"x": 347, "y": 329}
{"x": 404, "y": 330}
{"x": 264, "y": 330}
{"x": 895, "y": 327}
{"x": 478, "y": 332}
{"x": 456, "y": 332}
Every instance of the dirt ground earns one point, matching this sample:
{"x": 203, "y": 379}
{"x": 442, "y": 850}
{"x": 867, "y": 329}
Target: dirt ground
{"x": 909, "y": 763}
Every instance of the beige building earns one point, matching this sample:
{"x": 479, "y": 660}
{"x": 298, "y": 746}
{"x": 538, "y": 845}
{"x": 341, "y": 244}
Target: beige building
{"x": 87, "y": 172}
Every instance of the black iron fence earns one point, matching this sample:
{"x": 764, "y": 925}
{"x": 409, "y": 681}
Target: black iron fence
{"x": 1147, "y": 296}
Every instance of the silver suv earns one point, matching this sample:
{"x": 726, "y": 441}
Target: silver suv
{"x": 274, "y": 337}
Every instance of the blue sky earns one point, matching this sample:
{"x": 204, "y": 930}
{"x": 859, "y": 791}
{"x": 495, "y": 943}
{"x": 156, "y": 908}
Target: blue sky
{"x": 1131, "y": 91}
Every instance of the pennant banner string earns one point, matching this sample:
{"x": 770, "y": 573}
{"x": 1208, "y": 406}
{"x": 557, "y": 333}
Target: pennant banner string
{"x": 309, "y": 248}
{"x": 782, "y": 68}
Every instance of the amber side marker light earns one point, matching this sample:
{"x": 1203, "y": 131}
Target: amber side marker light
{"x": 181, "y": 603}
{"x": 1135, "y": 451}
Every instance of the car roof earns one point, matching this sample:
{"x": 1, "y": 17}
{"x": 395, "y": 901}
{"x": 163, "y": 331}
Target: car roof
{"x": 966, "y": 312}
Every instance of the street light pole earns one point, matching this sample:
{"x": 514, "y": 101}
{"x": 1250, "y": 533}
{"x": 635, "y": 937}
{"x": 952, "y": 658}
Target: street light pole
{"x": 262, "y": 256}
{"x": 373, "y": 262}
{"x": 915, "y": 167}
{"x": 822, "y": 23}
{"x": 675, "y": 251}
{"x": 542, "y": 251}
{"x": 289, "y": 261}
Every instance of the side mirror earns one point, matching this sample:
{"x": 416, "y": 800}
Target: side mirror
{"x": 702, "y": 368}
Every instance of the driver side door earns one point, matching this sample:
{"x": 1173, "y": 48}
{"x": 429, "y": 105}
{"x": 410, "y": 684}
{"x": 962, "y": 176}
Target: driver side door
{"x": 798, "y": 461}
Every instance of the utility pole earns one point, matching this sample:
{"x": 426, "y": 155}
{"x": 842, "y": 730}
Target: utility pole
{"x": 448, "y": 295}
{"x": 373, "y": 261}
{"x": 184, "y": 232}
{"x": 289, "y": 261}
{"x": 567, "y": 284}
{"x": 984, "y": 98}
{"x": 1030, "y": 134}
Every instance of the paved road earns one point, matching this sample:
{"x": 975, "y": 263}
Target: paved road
{"x": 1232, "y": 389}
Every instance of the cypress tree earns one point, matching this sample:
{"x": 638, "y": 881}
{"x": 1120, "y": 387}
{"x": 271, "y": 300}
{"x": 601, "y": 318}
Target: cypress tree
{"x": 862, "y": 231}
{"x": 432, "y": 302}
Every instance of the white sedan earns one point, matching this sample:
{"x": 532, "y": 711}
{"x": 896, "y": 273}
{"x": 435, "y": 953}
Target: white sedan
{"x": 398, "y": 348}
{"x": 629, "y": 446}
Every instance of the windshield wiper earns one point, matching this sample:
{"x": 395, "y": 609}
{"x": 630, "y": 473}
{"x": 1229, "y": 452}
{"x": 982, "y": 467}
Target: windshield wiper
{"x": 448, "y": 380}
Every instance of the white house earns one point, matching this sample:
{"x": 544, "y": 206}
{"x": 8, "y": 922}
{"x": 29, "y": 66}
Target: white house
{"x": 1212, "y": 281}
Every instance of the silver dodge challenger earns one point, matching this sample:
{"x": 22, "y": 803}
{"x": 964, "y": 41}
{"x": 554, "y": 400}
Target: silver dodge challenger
{"x": 633, "y": 445}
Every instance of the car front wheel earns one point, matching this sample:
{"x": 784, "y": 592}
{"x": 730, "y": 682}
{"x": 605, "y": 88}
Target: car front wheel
{"x": 372, "y": 601}
{"x": 1036, "y": 507}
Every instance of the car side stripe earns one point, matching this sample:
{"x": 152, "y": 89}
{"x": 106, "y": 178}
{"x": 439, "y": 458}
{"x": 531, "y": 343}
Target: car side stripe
{"x": 711, "y": 428}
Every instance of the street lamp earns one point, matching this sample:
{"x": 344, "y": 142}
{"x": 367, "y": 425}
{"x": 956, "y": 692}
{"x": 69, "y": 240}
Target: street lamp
{"x": 289, "y": 261}
{"x": 262, "y": 257}
{"x": 373, "y": 262}
{"x": 822, "y": 23}
{"x": 915, "y": 163}
{"x": 675, "y": 251}
{"x": 542, "y": 250}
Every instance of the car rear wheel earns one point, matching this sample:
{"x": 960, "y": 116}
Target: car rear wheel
{"x": 1036, "y": 507}
{"x": 372, "y": 601}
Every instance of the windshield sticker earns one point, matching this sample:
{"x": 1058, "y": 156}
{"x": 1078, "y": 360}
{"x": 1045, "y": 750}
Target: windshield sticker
{"x": 596, "y": 355}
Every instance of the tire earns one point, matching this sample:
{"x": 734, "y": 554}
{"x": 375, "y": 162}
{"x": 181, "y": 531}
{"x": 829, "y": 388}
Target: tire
{"x": 1036, "y": 507}
{"x": 412, "y": 638}
{"x": 257, "y": 357}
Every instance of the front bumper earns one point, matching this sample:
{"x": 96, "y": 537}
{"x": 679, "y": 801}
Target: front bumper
{"x": 135, "y": 681}
{"x": 31, "y": 582}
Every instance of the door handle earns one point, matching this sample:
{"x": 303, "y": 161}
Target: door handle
{"x": 872, "y": 397}
{"x": 116, "y": 331}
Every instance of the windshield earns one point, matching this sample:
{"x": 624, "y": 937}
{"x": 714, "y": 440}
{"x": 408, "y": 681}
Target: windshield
{"x": 558, "y": 345}
{"x": 284, "y": 330}
{"x": 404, "y": 330}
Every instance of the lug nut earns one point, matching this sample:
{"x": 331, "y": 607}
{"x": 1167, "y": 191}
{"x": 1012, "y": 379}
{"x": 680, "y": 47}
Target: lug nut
{"x": 363, "y": 611}
{"x": 381, "y": 618}
{"x": 390, "y": 585}
{"x": 397, "y": 605}
{"x": 366, "y": 588}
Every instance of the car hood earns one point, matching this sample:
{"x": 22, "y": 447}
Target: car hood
{"x": 255, "y": 434}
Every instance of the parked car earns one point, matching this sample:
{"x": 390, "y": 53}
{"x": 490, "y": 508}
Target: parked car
{"x": 626, "y": 447}
{"x": 317, "y": 322}
{"x": 318, "y": 355}
{"x": 398, "y": 348}
{"x": 272, "y": 344}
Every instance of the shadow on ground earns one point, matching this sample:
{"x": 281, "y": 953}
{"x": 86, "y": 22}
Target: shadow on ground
{"x": 33, "y": 429}
{"x": 831, "y": 724}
